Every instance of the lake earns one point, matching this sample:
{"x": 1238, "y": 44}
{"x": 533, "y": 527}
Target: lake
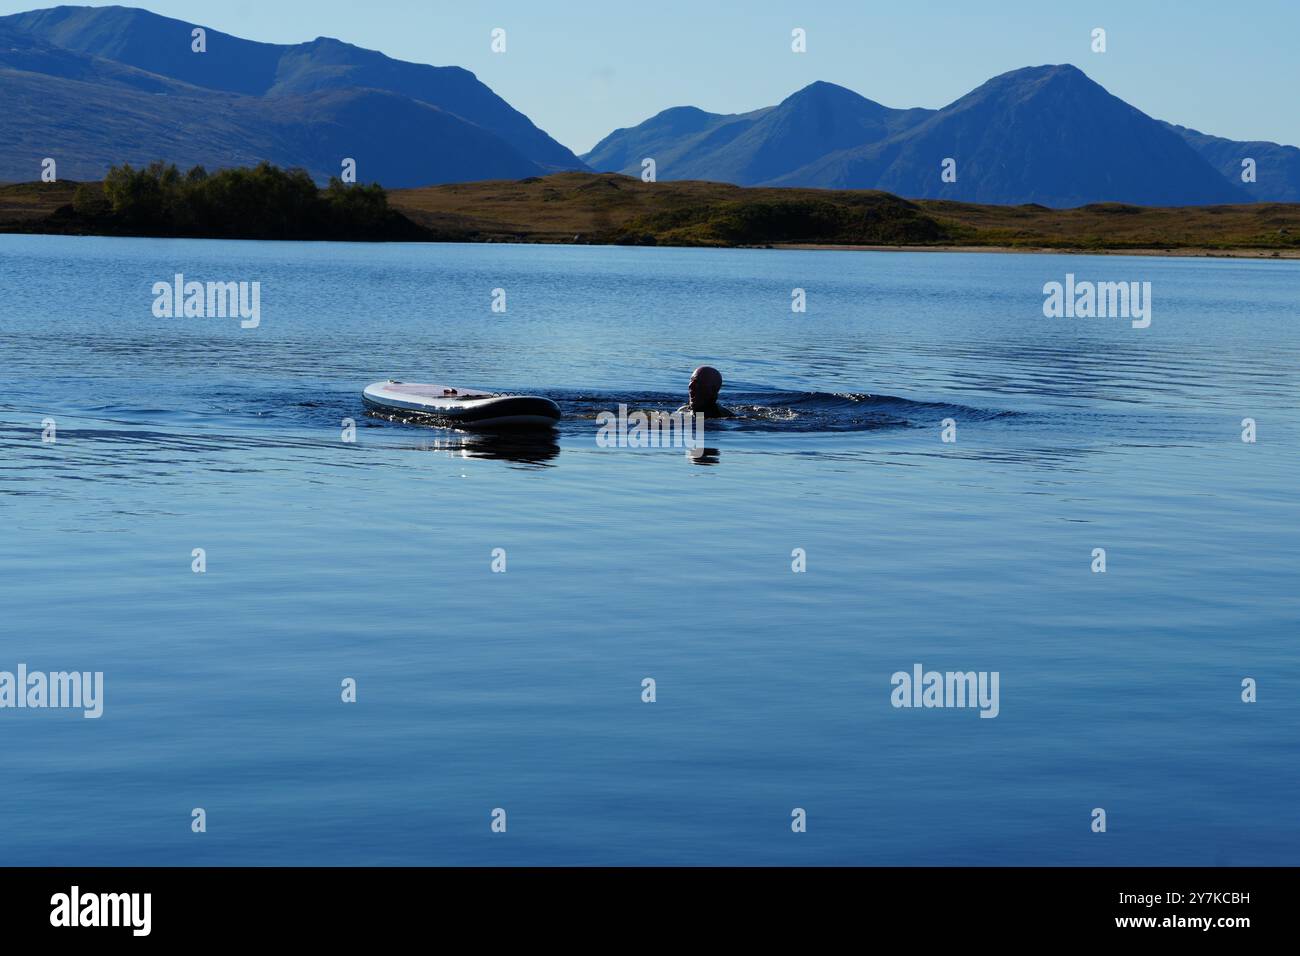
{"x": 327, "y": 559}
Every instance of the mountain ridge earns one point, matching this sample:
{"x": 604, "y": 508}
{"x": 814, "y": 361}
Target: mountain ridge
{"x": 293, "y": 104}
{"x": 1025, "y": 136}
{"x": 96, "y": 86}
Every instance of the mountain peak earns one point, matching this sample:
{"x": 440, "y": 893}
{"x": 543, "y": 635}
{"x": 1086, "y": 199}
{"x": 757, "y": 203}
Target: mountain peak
{"x": 1062, "y": 75}
{"x": 1045, "y": 69}
{"x": 1060, "y": 87}
{"x": 824, "y": 87}
{"x": 821, "y": 91}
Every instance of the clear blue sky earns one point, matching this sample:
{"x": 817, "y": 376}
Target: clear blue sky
{"x": 580, "y": 69}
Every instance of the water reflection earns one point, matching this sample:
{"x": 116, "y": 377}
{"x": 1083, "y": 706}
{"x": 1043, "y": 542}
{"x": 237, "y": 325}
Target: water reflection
{"x": 536, "y": 447}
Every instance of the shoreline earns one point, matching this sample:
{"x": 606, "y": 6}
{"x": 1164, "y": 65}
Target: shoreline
{"x": 7, "y": 229}
{"x": 1193, "y": 252}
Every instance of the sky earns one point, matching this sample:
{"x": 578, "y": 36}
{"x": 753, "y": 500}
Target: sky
{"x": 580, "y": 69}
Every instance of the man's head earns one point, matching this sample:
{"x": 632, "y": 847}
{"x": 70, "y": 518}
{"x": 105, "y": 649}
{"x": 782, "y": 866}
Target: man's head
{"x": 706, "y": 382}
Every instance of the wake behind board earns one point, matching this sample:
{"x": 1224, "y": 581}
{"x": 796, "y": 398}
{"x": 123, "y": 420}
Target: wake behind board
{"x": 462, "y": 407}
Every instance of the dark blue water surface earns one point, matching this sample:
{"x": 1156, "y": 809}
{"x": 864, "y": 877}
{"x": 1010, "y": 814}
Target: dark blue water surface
{"x": 522, "y": 690}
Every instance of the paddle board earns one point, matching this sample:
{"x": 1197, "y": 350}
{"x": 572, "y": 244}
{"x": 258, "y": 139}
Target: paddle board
{"x": 462, "y": 407}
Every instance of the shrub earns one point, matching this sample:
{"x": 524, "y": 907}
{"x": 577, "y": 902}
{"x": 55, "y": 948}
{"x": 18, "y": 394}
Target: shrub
{"x": 264, "y": 202}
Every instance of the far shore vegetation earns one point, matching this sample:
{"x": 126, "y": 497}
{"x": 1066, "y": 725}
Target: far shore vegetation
{"x": 266, "y": 202}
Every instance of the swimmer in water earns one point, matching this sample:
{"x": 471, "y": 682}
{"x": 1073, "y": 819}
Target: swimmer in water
{"x": 706, "y": 382}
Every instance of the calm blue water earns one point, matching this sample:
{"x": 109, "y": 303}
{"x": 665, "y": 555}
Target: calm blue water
{"x": 522, "y": 690}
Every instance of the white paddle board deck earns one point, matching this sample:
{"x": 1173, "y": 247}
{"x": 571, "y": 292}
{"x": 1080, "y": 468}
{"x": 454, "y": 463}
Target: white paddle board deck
{"x": 462, "y": 407}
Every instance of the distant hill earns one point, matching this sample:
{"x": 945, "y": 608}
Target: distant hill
{"x": 94, "y": 86}
{"x": 1046, "y": 135}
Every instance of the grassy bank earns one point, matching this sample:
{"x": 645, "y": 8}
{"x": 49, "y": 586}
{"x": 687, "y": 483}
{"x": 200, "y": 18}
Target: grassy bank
{"x": 609, "y": 208}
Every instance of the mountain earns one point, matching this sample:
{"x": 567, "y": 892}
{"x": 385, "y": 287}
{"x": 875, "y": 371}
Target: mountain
{"x": 1277, "y": 168}
{"x": 94, "y": 86}
{"x": 751, "y": 148}
{"x": 681, "y": 140}
{"x": 1046, "y": 135}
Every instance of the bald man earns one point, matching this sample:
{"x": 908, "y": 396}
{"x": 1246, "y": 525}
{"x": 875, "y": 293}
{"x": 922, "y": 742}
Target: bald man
{"x": 706, "y": 382}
